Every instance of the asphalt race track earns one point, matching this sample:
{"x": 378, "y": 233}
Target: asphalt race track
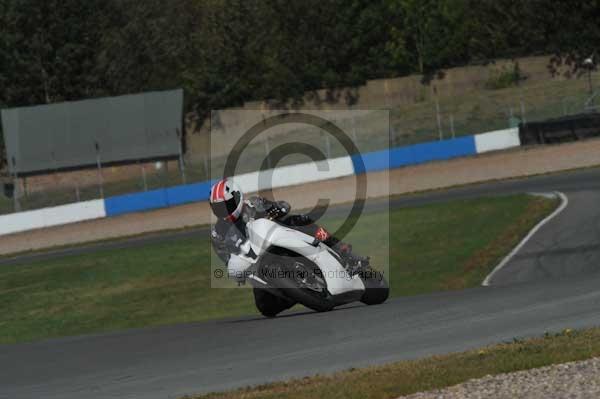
{"x": 552, "y": 283}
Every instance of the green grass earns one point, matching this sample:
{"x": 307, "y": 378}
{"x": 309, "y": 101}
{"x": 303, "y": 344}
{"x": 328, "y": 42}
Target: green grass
{"x": 407, "y": 377}
{"x": 435, "y": 247}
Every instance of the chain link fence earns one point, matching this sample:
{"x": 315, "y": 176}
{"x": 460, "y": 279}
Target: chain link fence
{"x": 437, "y": 119}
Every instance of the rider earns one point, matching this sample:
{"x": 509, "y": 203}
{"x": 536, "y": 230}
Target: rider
{"x": 233, "y": 212}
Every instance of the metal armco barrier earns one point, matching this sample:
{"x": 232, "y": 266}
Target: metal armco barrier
{"x": 569, "y": 128}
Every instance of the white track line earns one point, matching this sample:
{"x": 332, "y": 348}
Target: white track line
{"x": 563, "y": 205}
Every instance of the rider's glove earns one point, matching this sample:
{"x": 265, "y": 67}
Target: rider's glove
{"x": 232, "y": 241}
{"x": 273, "y": 212}
{"x": 216, "y": 236}
{"x": 279, "y": 209}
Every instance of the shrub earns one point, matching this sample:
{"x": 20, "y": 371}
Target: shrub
{"x": 504, "y": 77}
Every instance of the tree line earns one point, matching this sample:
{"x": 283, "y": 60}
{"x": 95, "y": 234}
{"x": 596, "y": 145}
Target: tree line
{"x": 225, "y": 52}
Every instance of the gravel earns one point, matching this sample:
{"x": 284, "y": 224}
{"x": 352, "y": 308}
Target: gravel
{"x": 568, "y": 380}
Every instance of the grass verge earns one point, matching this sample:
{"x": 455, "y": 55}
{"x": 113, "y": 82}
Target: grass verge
{"x": 434, "y": 247}
{"x": 407, "y": 377}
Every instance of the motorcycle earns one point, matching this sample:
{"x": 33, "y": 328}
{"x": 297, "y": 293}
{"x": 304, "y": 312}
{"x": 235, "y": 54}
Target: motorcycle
{"x": 286, "y": 266}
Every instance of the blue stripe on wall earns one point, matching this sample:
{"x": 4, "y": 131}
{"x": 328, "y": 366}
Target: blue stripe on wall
{"x": 363, "y": 163}
{"x": 414, "y": 154}
{"x": 444, "y": 149}
{"x": 189, "y": 193}
{"x": 135, "y": 202}
{"x": 371, "y": 161}
{"x": 155, "y": 199}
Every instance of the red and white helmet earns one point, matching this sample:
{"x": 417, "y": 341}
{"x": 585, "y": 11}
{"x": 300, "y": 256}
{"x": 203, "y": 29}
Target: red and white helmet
{"x": 226, "y": 200}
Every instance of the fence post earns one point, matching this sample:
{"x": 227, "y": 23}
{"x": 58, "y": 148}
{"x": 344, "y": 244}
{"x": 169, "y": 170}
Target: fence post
{"x": 99, "y": 166}
{"x": 181, "y": 163}
{"x": 55, "y": 173}
{"x": 206, "y": 170}
{"x": 16, "y": 203}
{"x": 143, "y": 167}
{"x": 268, "y": 152}
{"x": 439, "y": 120}
{"x": 354, "y": 129}
{"x": 393, "y": 136}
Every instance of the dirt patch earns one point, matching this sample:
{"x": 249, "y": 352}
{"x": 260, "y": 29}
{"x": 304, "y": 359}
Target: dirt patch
{"x": 493, "y": 166}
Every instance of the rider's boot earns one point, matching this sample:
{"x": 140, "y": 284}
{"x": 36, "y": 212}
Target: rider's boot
{"x": 353, "y": 263}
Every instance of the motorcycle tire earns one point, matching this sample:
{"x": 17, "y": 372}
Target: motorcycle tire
{"x": 377, "y": 289}
{"x": 270, "y": 305}
{"x": 286, "y": 262}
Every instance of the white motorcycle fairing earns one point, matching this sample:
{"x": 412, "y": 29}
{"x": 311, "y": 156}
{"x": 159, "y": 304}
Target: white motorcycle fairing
{"x": 264, "y": 233}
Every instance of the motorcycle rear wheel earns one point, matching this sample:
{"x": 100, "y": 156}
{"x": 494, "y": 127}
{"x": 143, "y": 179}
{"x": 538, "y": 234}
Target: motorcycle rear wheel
{"x": 300, "y": 281}
{"x": 377, "y": 289}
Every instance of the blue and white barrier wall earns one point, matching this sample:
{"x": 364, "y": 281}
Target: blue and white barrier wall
{"x": 249, "y": 182}
{"x": 154, "y": 199}
{"x": 296, "y": 174}
{"x": 436, "y": 151}
{"x": 414, "y": 154}
{"x": 498, "y": 140}
{"x": 54, "y": 216}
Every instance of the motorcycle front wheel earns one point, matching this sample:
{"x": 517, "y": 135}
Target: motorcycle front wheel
{"x": 268, "y": 304}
